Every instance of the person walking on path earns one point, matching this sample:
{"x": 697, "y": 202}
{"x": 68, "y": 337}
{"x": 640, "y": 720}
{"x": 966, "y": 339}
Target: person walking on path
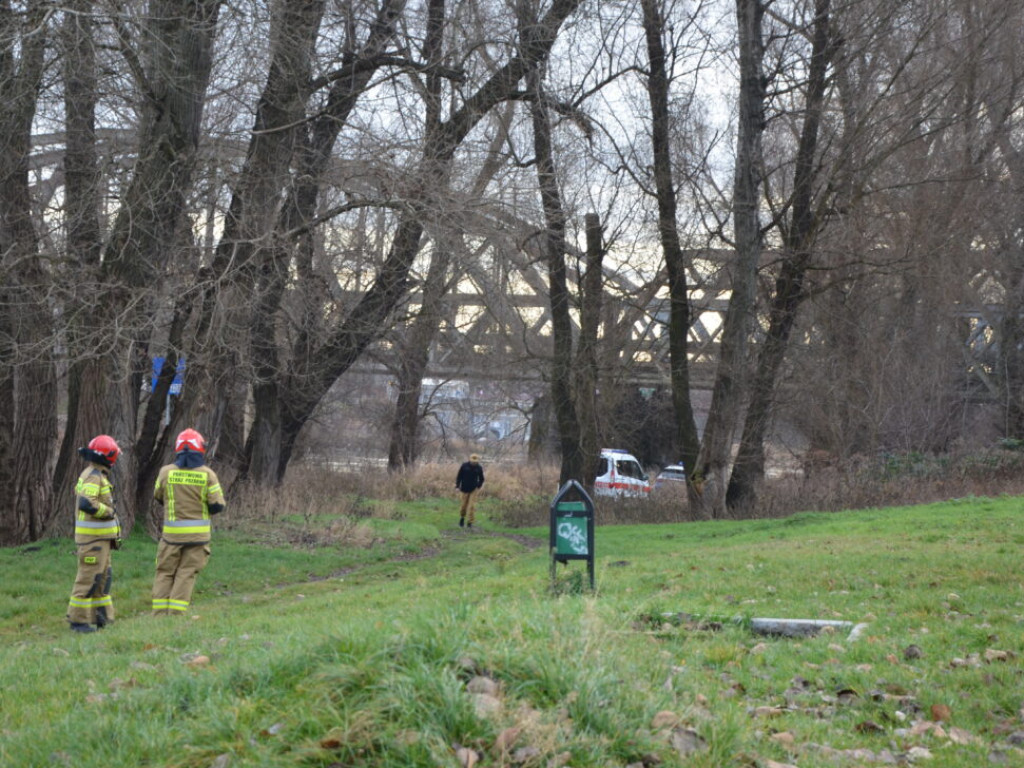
{"x": 469, "y": 480}
{"x": 189, "y": 492}
{"x": 97, "y": 533}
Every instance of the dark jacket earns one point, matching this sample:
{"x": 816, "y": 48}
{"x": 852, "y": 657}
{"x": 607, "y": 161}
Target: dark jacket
{"x": 470, "y": 477}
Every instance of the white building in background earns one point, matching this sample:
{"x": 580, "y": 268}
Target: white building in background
{"x": 474, "y": 411}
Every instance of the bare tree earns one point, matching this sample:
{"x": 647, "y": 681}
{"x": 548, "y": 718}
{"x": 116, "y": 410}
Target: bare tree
{"x": 28, "y": 416}
{"x": 554, "y": 249}
{"x": 730, "y": 389}
{"x": 790, "y": 290}
{"x": 149, "y": 228}
{"x": 415, "y": 351}
{"x": 675, "y": 262}
{"x": 310, "y": 379}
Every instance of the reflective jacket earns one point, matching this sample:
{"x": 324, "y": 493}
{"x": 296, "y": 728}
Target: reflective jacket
{"x": 94, "y": 507}
{"x": 187, "y": 495}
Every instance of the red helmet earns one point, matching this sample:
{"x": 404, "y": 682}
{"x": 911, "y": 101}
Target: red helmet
{"x": 106, "y": 448}
{"x": 191, "y": 440}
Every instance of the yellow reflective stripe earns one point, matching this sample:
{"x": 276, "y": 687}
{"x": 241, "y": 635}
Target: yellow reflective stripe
{"x": 96, "y": 529}
{"x": 161, "y": 604}
{"x": 91, "y": 602}
{"x": 187, "y": 529}
{"x": 177, "y": 605}
{"x": 187, "y": 526}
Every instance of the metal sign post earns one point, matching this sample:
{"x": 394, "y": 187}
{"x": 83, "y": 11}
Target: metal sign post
{"x": 572, "y": 528}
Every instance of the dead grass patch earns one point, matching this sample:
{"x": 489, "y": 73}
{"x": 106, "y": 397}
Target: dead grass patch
{"x": 520, "y": 494}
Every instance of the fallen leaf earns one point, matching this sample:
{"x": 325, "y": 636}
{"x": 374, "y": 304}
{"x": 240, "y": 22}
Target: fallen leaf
{"x": 506, "y": 739}
{"x": 525, "y": 754}
{"x": 407, "y": 737}
{"x": 665, "y": 719}
{"x": 485, "y": 705}
{"x": 847, "y": 696}
{"x": 767, "y": 711}
{"x": 686, "y": 741}
{"x": 912, "y": 652}
{"x": 481, "y": 684}
{"x": 941, "y": 713}
{"x": 785, "y": 738}
{"x": 868, "y": 726}
{"x": 921, "y": 727}
{"x": 273, "y": 730}
{"x": 467, "y": 757}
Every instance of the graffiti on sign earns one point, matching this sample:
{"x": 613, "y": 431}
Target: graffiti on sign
{"x": 574, "y": 535}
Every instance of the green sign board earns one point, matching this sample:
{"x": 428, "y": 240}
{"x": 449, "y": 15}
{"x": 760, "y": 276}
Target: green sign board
{"x": 572, "y": 528}
{"x": 571, "y": 536}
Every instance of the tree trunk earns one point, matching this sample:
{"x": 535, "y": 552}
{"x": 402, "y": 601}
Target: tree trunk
{"x": 178, "y": 46}
{"x": 415, "y": 354}
{"x": 28, "y": 412}
{"x": 415, "y": 351}
{"x": 687, "y": 439}
{"x": 790, "y": 290}
{"x": 563, "y": 394}
{"x": 86, "y": 374}
{"x": 248, "y": 244}
{"x": 587, "y": 373}
{"x": 730, "y": 388}
{"x": 283, "y": 103}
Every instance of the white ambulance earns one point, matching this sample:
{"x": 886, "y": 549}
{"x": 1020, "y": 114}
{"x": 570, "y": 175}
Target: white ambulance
{"x": 619, "y": 474}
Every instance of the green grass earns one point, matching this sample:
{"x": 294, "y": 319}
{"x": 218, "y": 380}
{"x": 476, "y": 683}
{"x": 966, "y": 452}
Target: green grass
{"x": 322, "y": 654}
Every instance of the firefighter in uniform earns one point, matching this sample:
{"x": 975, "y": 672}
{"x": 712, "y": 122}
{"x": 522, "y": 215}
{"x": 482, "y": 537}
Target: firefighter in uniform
{"x": 189, "y": 492}
{"x": 96, "y": 533}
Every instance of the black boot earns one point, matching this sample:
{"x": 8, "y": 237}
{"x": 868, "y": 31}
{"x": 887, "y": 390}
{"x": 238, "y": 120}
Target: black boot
{"x": 462, "y": 521}
{"x": 76, "y": 627}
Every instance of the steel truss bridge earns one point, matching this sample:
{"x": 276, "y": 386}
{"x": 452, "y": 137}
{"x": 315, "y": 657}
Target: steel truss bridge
{"x": 497, "y": 320}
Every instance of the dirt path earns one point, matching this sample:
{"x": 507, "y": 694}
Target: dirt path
{"x": 528, "y": 542}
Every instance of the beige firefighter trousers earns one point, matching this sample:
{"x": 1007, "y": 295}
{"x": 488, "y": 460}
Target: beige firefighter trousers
{"x": 177, "y": 566}
{"x": 90, "y": 601}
